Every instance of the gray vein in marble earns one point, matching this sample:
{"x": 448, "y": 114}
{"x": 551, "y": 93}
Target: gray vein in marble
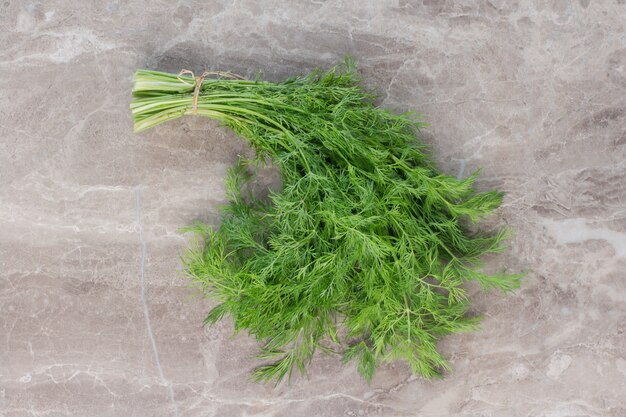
{"x": 144, "y": 304}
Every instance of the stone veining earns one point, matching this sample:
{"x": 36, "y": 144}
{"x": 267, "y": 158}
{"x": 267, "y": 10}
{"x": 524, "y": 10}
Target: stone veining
{"x": 144, "y": 303}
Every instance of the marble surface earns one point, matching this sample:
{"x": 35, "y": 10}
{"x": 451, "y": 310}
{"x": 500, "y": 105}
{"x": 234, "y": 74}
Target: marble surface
{"x": 96, "y": 318}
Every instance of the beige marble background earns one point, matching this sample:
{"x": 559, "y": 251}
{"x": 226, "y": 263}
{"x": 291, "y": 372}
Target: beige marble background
{"x": 95, "y": 316}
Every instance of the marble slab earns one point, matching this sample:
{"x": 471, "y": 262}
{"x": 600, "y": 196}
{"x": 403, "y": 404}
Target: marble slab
{"x": 96, "y": 318}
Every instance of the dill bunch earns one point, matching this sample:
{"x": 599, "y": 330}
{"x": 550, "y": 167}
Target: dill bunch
{"x": 364, "y": 250}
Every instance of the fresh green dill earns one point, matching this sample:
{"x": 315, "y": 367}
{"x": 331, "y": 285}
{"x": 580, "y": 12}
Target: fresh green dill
{"x": 366, "y": 246}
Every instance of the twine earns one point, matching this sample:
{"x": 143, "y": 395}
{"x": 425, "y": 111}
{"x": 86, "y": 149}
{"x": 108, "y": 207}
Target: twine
{"x": 198, "y": 82}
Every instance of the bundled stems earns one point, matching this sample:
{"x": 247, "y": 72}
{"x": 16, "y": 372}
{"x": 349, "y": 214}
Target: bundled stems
{"x": 367, "y": 245}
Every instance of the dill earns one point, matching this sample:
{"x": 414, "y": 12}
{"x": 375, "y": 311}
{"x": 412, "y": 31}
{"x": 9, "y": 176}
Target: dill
{"x": 365, "y": 248}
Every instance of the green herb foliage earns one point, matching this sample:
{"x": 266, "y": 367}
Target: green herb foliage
{"x": 366, "y": 247}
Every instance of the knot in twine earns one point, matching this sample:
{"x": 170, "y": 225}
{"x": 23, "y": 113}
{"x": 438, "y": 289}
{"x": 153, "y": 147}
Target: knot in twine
{"x": 198, "y": 82}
